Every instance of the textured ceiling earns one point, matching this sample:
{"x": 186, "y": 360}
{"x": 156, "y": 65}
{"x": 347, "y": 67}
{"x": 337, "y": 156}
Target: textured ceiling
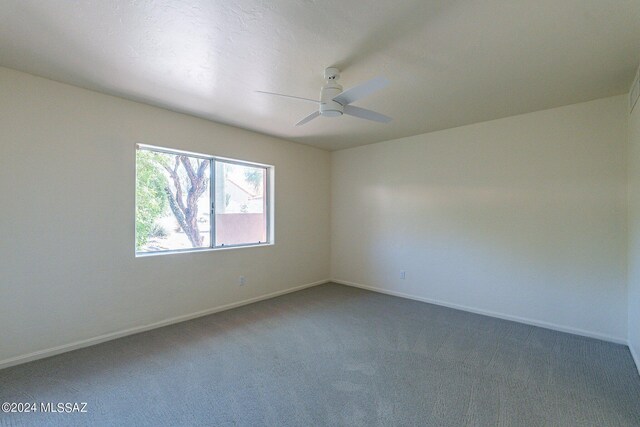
{"x": 450, "y": 62}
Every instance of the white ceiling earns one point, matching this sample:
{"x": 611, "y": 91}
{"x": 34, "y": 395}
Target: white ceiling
{"x": 450, "y": 62}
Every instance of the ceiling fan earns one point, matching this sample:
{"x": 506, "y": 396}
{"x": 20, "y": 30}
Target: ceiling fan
{"x": 335, "y": 102}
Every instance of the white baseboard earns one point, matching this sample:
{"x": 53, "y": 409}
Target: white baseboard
{"x": 518, "y": 319}
{"x": 41, "y": 354}
{"x": 636, "y": 357}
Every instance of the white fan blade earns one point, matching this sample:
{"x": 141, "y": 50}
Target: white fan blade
{"x": 289, "y": 96}
{"x": 358, "y": 92}
{"x": 308, "y": 118}
{"x": 363, "y": 113}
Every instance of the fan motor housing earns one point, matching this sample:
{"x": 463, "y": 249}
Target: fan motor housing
{"x": 329, "y": 107}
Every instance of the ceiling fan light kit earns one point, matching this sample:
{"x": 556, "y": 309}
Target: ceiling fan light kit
{"x": 335, "y": 102}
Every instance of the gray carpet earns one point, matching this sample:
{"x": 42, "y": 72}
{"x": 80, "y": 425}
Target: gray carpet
{"x": 334, "y": 355}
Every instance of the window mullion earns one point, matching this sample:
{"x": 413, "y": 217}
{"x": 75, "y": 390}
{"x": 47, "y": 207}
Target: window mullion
{"x": 212, "y": 199}
{"x": 267, "y": 203}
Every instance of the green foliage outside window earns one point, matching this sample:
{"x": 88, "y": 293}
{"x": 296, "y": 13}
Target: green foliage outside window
{"x": 151, "y": 197}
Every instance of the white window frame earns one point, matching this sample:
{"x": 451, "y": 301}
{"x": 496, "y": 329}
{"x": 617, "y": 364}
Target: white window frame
{"x": 268, "y": 195}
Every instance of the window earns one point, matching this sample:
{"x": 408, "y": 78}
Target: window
{"x": 187, "y": 202}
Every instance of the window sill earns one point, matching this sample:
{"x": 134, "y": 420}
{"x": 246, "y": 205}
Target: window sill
{"x": 190, "y": 251}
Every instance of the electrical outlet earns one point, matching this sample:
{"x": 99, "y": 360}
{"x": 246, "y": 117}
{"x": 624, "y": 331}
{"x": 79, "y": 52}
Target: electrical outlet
{"x": 402, "y": 274}
{"x": 242, "y": 281}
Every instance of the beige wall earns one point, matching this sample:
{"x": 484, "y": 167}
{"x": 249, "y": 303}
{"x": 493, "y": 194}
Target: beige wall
{"x": 523, "y": 217}
{"x": 634, "y": 233}
{"x": 67, "y": 266}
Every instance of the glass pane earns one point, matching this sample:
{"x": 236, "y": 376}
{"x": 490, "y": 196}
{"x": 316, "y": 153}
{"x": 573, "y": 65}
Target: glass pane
{"x": 240, "y": 204}
{"x": 173, "y": 202}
